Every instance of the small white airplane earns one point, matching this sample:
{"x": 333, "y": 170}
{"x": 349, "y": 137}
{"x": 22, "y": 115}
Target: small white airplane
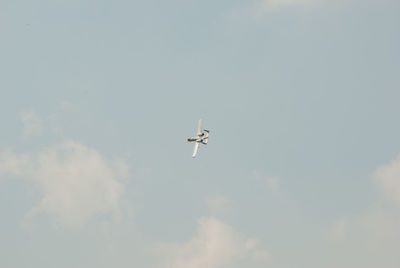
{"x": 202, "y": 137}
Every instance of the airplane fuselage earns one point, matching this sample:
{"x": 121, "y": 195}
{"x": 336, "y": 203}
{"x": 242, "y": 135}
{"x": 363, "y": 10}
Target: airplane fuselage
{"x": 200, "y": 138}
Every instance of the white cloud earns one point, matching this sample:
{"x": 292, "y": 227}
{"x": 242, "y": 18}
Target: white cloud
{"x": 388, "y": 178}
{"x": 377, "y": 225}
{"x": 380, "y": 220}
{"x": 377, "y": 228}
{"x": 77, "y": 182}
{"x": 32, "y": 124}
{"x": 215, "y": 245}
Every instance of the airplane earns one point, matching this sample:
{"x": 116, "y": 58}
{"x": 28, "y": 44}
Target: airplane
{"x": 202, "y": 138}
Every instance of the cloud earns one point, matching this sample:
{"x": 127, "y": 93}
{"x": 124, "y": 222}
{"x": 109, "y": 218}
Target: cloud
{"x": 377, "y": 228}
{"x": 388, "y": 179}
{"x": 32, "y": 124}
{"x": 381, "y": 219}
{"x": 215, "y": 245}
{"x": 377, "y": 225}
{"x": 77, "y": 183}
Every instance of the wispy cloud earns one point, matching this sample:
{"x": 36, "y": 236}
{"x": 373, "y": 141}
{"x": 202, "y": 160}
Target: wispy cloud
{"x": 32, "y": 124}
{"x": 378, "y": 226}
{"x": 77, "y": 182}
{"x": 215, "y": 245}
{"x": 388, "y": 179}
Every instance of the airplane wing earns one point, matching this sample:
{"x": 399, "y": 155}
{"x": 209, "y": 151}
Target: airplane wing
{"x": 199, "y": 130}
{"x": 196, "y": 146}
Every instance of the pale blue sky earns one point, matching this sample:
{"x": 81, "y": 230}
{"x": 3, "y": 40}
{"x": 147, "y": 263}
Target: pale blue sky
{"x": 98, "y": 98}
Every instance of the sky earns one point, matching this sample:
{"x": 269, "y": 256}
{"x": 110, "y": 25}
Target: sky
{"x": 301, "y": 98}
